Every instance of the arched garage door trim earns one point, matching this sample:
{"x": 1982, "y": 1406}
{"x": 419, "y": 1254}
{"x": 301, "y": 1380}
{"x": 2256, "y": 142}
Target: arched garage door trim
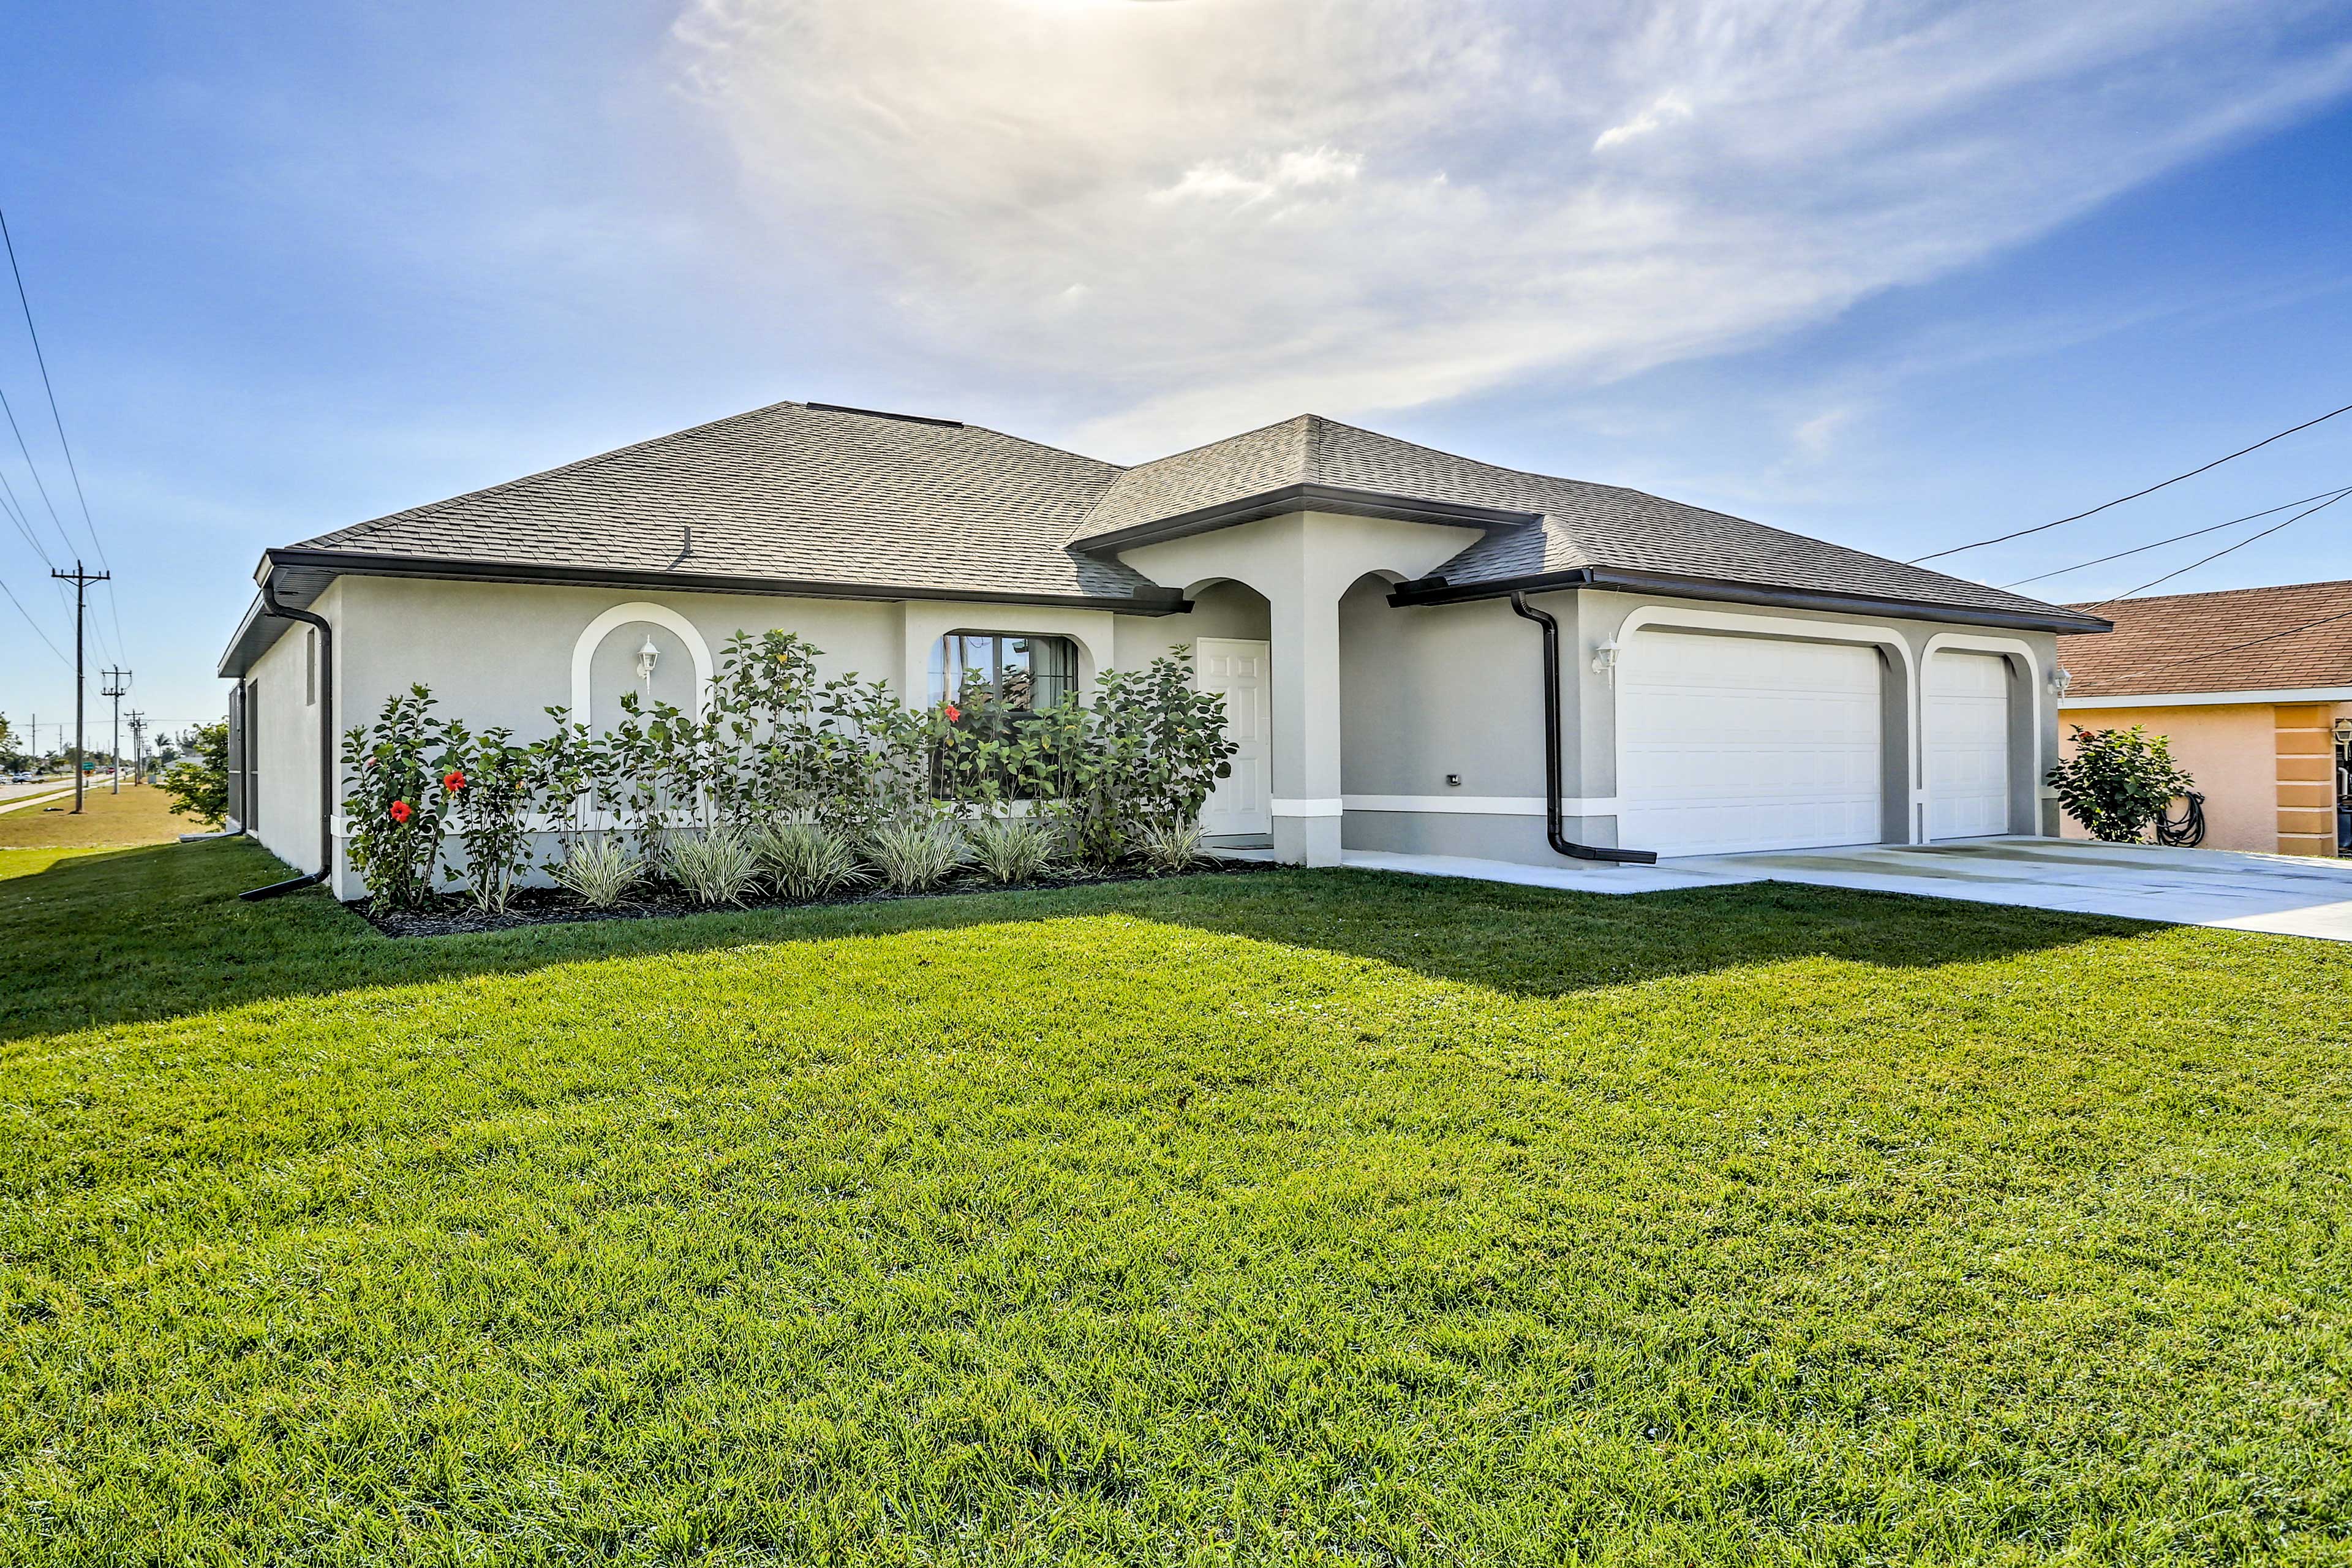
{"x": 2009, "y": 647}
{"x": 1796, "y": 628}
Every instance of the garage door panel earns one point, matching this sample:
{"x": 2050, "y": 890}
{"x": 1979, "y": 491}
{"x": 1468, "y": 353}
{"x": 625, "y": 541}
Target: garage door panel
{"x": 1966, "y": 724}
{"x": 1730, "y": 743}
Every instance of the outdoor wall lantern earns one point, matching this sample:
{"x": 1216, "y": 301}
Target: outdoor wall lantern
{"x": 647, "y": 657}
{"x": 1604, "y": 658}
{"x": 2060, "y": 679}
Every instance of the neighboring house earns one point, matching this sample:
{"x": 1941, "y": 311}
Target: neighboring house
{"x": 1725, "y": 685}
{"x": 2251, "y": 686}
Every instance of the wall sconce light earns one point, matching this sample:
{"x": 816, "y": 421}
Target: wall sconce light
{"x": 2060, "y": 679}
{"x": 647, "y": 657}
{"x": 1604, "y": 658}
{"x": 2344, "y": 732}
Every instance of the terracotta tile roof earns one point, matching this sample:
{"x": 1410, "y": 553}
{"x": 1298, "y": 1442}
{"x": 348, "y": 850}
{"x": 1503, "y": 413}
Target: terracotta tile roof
{"x": 2242, "y": 639}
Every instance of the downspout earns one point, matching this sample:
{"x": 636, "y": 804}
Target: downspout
{"x": 244, "y": 759}
{"x": 326, "y": 747}
{"x": 1555, "y": 825}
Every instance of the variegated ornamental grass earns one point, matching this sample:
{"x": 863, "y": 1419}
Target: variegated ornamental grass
{"x": 1313, "y": 1216}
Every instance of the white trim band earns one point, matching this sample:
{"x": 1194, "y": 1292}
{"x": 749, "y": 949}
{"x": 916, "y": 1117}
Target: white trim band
{"x": 1332, "y": 807}
{"x": 2213, "y": 699}
{"x": 1483, "y": 805}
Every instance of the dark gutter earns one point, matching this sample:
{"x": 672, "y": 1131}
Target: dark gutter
{"x": 1148, "y": 599}
{"x": 1555, "y": 822}
{"x": 326, "y": 747}
{"x": 1304, "y": 497}
{"x": 1439, "y": 591}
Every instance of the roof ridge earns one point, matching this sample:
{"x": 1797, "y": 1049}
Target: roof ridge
{"x": 360, "y": 529}
{"x": 1078, "y": 529}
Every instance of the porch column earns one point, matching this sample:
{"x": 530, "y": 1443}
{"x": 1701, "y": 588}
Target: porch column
{"x": 1305, "y": 631}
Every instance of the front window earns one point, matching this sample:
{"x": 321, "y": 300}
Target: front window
{"x": 1021, "y": 671}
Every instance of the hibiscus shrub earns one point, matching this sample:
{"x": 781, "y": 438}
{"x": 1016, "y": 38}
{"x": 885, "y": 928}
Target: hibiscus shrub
{"x": 774, "y": 746}
{"x": 394, "y": 800}
{"x": 490, "y": 791}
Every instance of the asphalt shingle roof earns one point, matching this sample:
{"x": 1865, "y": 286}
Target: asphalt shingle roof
{"x": 794, "y": 493}
{"x": 1581, "y": 523}
{"x": 2242, "y": 639}
{"x": 808, "y": 493}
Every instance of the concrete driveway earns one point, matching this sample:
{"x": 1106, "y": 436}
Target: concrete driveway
{"x": 2185, "y": 887}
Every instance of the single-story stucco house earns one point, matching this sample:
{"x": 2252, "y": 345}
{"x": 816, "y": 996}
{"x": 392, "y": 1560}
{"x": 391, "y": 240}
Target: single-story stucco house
{"x": 2252, "y": 687}
{"x": 1381, "y": 618}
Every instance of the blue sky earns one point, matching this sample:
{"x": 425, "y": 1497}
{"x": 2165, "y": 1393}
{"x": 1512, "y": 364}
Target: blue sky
{"x": 1898, "y": 274}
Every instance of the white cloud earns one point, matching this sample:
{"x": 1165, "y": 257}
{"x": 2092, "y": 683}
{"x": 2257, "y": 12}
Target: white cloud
{"x": 1279, "y": 204}
{"x": 1290, "y": 174}
{"x": 1665, "y": 111}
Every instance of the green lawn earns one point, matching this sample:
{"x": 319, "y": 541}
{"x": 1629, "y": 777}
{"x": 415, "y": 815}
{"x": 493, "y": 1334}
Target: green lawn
{"x": 1297, "y": 1216}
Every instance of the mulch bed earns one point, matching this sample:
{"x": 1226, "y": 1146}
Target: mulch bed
{"x": 453, "y": 915}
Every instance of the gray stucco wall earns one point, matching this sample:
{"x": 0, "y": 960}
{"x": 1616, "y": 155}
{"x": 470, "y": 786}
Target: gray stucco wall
{"x": 282, "y": 729}
{"x": 501, "y": 654}
{"x": 1457, "y": 690}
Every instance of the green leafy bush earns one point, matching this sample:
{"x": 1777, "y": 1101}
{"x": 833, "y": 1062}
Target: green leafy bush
{"x": 198, "y": 783}
{"x": 2118, "y": 783}
{"x": 394, "y": 800}
{"x": 693, "y": 794}
{"x": 491, "y": 790}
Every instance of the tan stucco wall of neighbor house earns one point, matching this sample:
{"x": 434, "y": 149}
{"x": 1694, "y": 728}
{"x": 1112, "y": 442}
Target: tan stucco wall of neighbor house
{"x": 2229, "y": 749}
{"x": 2267, "y": 770}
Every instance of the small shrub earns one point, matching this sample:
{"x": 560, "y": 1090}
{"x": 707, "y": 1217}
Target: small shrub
{"x": 198, "y": 784}
{"x": 715, "y": 866}
{"x": 1169, "y": 848}
{"x": 917, "y": 856}
{"x": 600, "y": 871}
{"x": 2118, "y": 783}
{"x": 1011, "y": 848}
{"x": 807, "y": 860}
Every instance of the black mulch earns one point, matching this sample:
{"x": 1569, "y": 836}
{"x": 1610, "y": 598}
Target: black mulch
{"x": 452, "y": 915}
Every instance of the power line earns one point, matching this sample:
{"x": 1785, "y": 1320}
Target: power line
{"x": 2003, "y": 538}
{"x": 2250, "y": 539}
{"x": 90, "y": 525}
{"x": 2209, "y": 527}
{"x": 35, "y": 624}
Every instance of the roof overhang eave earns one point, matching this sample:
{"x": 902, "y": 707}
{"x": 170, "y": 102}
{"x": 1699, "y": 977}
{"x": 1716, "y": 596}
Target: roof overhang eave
{"x": 1147, "y": 600}
{"x": 1288, "y": 498}
{"x": 1440, "y": 591}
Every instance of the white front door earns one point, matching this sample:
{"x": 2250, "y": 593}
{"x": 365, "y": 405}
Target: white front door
{"x": 1728, "y": 743}
{"x": 1967, "y": 719}
{"x": 1243, "y": 804}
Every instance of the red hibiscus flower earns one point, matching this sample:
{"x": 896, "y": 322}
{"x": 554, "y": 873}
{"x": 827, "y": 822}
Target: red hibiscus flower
{"x": 453, "y": 780}
{"x": 401, "y": 812}
{"x": 951, "y": 710}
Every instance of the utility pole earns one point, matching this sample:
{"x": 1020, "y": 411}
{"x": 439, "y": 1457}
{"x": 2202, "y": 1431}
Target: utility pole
{"x": 81, "y": 581}
{"x": 118, "y": 683}
{"x": 138, "y": 747}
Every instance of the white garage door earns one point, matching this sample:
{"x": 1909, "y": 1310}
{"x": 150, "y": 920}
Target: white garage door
{"x": 1967, "y": 745}
{"x": 1729, "y": 743}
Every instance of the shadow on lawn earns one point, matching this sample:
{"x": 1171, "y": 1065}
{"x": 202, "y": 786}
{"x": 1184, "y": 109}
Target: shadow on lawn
{"x": 157, "y": 931}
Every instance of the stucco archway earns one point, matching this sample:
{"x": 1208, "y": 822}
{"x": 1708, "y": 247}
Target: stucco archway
{"x": 592, "y": 638}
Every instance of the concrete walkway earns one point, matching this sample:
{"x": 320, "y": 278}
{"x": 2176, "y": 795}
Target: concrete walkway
{"x": 2183, "y": 886}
